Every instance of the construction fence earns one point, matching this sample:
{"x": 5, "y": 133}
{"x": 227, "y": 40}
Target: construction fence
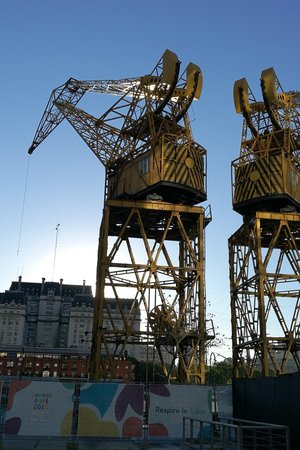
{"x": 113, "y": 410}
{"x": 274, "y": 400}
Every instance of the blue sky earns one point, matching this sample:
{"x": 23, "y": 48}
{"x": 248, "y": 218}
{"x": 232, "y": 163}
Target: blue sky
{"x": 43, "y": 43}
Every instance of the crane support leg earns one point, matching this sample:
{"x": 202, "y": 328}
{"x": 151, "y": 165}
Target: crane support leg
{"x": 264, "y": 257}
{"x": 150, "y": 289}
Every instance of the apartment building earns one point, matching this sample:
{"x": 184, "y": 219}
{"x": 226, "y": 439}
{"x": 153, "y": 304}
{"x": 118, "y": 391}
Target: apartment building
{"x": 50, "y": 315}
{"x": 56, "y": 363}
{"x": 46, "y": 314}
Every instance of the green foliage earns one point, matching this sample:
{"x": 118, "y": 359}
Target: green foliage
{"x": 151, "y": 372}
{"x": 219, "y": 373}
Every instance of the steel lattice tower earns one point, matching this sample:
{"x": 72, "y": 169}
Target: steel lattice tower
{"x": 264, "y": 253}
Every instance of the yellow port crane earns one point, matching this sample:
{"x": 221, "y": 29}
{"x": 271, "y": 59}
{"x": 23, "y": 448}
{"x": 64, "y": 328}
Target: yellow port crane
{"x": 150, "y": 290}
{"x": 264, "y": 253}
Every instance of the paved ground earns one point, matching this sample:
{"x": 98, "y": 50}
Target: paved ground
{"x": 84, "y": 444}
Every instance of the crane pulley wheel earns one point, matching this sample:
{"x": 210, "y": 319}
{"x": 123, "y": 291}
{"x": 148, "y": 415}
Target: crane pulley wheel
{"x": 163, "y": 319}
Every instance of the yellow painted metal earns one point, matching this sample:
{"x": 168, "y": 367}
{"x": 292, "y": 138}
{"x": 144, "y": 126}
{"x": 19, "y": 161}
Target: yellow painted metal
{"x": 170, "y": 297}
{"x": 270, "y": 179}
{"x": 192, "y": 70}
{"x": 194, "y": 82}
{"x": 264, "y": 255}
{"x": 153, "y": 151}
{"x": 145, "y": 142}
{"x": 163, "y": 282}
{"x": 268, "y": 79}
{"x": 166, "y": 77}
{"x": 170, "y": 60}
{"x": 97, "y": 332}
{"x": 269, "y": 85}
{"x": 267, "y": 173}
{"x": 240, "y": 96}
{"x": 166, "y": 169}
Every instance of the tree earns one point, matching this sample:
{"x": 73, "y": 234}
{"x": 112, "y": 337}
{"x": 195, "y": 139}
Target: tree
{"x": 151, "y": 372}
{"x": 219, "y": 372}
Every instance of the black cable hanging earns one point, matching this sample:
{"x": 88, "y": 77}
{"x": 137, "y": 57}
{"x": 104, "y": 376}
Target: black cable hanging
{"x": 23, "y": 205}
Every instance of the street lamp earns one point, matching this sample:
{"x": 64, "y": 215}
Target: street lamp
{"x": 213, "y": 387}
{"x": 210, "y": 363}
{"x": 21, "y": 360}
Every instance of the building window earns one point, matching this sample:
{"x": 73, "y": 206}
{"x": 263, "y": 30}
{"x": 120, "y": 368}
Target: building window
{"x": 144, "y": 165}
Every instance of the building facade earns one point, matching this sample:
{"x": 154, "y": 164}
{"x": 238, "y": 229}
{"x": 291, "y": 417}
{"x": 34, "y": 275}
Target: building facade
{"x": 34, "y": 362}
{"x": 46, "y": 314}
{"x": 53, "y": 315}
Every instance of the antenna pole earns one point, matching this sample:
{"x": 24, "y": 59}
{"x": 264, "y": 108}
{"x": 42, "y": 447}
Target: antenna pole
{"x": 55, "y": 248}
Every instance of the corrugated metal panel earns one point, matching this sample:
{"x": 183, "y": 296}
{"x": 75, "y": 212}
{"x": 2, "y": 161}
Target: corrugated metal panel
{"x": 259, "y": 178}
{"x": 183, "y": 165}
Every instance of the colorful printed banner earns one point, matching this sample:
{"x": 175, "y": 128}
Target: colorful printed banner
{"x": 170, "y": 403}
{"x": 111, "y": 410}
{"x": 45, "y": 408}
{"x": 39, "y": 408}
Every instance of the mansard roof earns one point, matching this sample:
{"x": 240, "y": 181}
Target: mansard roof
{"x": 83, "y": 299}
{"x": 63, "y": 290}
{"x": 12, "y": 296}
